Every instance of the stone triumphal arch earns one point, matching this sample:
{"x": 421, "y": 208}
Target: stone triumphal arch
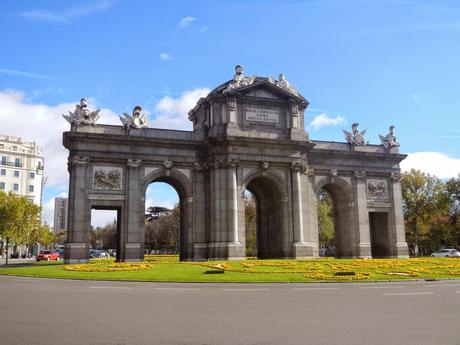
{"x": 248, "y": 133}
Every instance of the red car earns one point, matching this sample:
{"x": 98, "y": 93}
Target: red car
{"x": 48, "y": 255}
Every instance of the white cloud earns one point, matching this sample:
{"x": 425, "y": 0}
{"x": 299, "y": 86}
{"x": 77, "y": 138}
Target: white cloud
{"x": 323, "y": 120}
{"x": 433, "y": 163}
{"x": 25, "y": 74}
{"x": 186, "y": 21}
{"x": 164, "y": 56}
{"x": 102, "y": 217}
{"x": 172, "y": 112}
{"x": 44, "y": 125}
{"x": 68, "y": 14}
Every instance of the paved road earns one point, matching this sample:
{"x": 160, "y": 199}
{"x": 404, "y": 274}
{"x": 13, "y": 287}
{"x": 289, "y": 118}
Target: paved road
{"x": 49, "y": 311}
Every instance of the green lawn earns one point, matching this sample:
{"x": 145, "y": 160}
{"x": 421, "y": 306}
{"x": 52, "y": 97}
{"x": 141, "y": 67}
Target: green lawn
{"x": 169, "y": 269}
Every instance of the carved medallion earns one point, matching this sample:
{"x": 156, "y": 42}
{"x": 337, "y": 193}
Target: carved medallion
{"x": 107, "y": 177}
{"x": 377, "y": 189}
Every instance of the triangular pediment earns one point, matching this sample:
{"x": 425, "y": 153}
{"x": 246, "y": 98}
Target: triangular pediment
{"x": 264, "y": 89}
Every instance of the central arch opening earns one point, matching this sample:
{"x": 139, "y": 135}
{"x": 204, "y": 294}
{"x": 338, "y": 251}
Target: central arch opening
{"x": 264, "y": 235}
{"x": 165, "y": 215}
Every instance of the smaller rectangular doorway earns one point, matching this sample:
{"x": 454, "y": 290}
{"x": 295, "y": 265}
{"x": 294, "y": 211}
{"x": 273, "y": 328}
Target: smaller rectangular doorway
{"x": 106, "y": 235}
{"x": 380, "y": 234}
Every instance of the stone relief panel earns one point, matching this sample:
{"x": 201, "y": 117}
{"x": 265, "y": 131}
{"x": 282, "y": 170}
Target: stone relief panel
{"x": 377, "y": 189}
{"x": 107, "y": 177}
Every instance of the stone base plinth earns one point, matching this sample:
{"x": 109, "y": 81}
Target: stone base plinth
{"x": 76, "y": 253}
{"x": 200, "y": 251}
{"x": 305, "y": 250}
{"x": 401, "y": 250}
{"x": 364, "y": 251}
{"x": 225, "y": 251}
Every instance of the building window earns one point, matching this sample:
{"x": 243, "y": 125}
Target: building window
{"x": 15, "y": 187}
{"x": 16, "y": 173}
{"x": 2, "y": 146}
{"x": 31, "y": 188}
{"x": 2, "y": 185}
{"x": 15, "y": 148}
{"x": 17, "y": 162}
{"x": 3, "y": 172}
{"x": 3, "y": 160}
{"x": 31, "y": 175}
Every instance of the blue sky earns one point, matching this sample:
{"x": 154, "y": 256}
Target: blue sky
{"x": 373, "y": 62}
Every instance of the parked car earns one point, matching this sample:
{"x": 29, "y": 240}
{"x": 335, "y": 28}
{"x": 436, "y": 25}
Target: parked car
{"x": 48, "y": 255}
{"x": 446, "y": 253}
{"x": 104, "y": 254}
{"x": 94, "y": 253}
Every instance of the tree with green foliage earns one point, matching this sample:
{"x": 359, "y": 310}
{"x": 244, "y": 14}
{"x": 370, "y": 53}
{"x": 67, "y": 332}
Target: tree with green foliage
{"x": 20, "y": 222}
{"x": 325, "y": 212}
{"x": 250, "y": 225}
{"x": 425, "y": 205}
{"x": 162, "y": 230}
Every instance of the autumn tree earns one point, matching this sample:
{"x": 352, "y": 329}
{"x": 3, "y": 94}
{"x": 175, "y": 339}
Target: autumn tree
{"x": 425, "y": 205}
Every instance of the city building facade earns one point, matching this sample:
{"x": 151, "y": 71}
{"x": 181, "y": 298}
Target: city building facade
{"x": 21, "y": 168}
{"x": 60, "y": 214}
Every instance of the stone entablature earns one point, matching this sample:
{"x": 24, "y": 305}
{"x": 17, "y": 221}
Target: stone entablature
{"x": 247, "y": 134}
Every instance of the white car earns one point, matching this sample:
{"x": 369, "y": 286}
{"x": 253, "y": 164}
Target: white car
{"x": 446, "y": 253}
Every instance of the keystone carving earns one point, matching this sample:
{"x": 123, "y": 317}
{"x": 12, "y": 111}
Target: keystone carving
{"x": 168, "y": 164}
{"x": 264, "y": 165}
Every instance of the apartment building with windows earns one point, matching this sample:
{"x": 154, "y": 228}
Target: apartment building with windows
{"x": 21, "y": 168}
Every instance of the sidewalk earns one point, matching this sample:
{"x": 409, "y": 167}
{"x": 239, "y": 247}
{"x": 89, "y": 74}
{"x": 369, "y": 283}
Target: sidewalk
{"x": 16, "y": 261}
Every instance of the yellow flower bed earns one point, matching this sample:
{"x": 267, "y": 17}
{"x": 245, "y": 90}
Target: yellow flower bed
{"x": 109, "y": 266}
{"x": 348, "y": 270}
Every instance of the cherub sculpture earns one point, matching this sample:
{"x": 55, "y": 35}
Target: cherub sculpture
{"x": 389, "y": 141}
{"x": 355, "y": 137}
{"x": 137, "y": 120}
{"x": 82, "y": 116}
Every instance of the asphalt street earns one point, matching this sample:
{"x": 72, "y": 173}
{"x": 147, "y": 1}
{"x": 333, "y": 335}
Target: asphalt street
{"x": 51, "y": 311}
